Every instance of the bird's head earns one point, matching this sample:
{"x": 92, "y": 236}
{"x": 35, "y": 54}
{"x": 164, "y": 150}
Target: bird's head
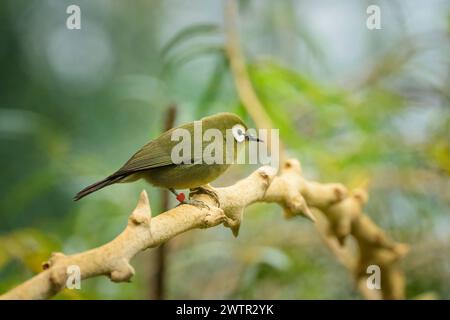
{"x": 229, "y": 121}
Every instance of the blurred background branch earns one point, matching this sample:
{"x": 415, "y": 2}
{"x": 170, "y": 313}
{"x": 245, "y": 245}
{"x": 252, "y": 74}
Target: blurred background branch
{"x": 157, "y": 284}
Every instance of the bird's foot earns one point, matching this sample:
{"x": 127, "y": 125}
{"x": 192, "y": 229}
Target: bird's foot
{"x": 196, "y": 203}
{"x": 181, "y": 197}
{"x": 206, "y": 190}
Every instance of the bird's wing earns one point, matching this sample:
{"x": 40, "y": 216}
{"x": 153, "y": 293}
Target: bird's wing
{"x": 156, "y": 153}
{"x": 152, "y": 155}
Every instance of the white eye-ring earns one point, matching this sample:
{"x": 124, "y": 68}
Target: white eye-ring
{"x": 238, "y": 132}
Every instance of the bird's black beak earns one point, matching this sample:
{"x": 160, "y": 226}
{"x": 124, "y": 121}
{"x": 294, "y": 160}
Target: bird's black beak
{"x": 249, "y": 137}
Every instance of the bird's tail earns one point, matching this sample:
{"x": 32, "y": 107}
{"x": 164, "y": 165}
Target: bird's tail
{"x": 97, "y": 186}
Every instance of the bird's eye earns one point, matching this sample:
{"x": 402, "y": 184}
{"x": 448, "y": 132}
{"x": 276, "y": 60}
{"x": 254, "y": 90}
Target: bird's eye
{"x": 238, "y": 132}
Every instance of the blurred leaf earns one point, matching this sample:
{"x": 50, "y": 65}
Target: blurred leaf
{"x": 178, "y": 60}
{"x": 275, "y": 258}
{"x": 440, "y": 152}
{"x": 188, "y": 33}
{"x": 29, "y": 246}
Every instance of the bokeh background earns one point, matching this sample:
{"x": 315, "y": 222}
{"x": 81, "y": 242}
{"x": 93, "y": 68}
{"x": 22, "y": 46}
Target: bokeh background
{"x": 366, "y": 108}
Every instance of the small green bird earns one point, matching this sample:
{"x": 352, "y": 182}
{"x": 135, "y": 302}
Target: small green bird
{"x": 154, "y": 162}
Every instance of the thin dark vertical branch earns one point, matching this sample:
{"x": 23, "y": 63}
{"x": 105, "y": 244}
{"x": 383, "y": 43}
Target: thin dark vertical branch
{"x": 157, "y": 282}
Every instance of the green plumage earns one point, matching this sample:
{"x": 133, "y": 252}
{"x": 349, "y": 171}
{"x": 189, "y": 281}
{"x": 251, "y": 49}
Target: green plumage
{"x": 153, "y": 161}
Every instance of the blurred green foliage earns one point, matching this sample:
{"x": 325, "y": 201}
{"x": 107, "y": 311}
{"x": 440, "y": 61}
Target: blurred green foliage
{"x": 356, "y": 106}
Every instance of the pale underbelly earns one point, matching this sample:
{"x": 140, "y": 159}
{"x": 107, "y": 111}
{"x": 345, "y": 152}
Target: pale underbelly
{"x": 182, "y": 176}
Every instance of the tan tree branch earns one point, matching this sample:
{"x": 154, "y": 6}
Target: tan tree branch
{"x": 336, "y": 220}
{"x": 142, "y": 232}
{"x": 289, "y": 189}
